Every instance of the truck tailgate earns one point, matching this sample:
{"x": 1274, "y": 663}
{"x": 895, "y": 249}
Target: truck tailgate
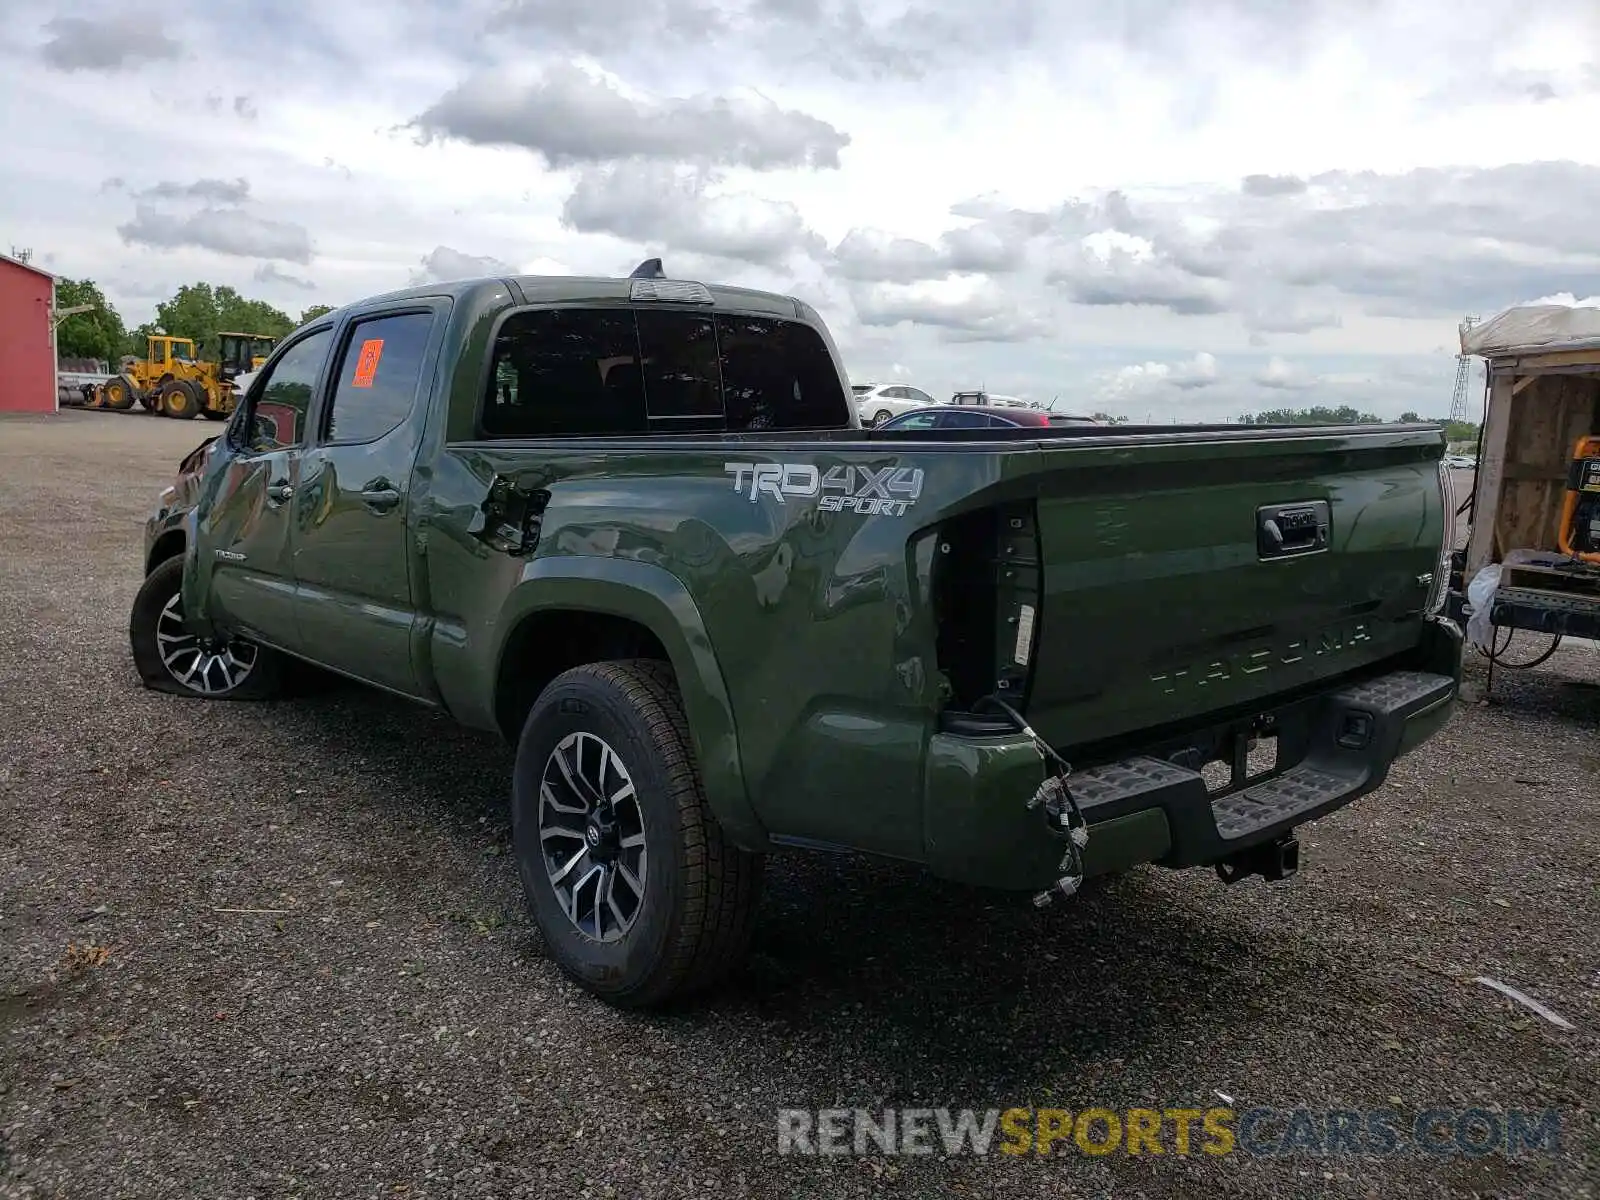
{"x": 1181, "y": 580}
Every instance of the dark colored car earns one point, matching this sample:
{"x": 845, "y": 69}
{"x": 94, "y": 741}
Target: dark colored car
{"x": 961, "y": 416}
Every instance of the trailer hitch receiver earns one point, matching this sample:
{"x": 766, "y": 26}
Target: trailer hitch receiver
{"x": 1274, "y": 860}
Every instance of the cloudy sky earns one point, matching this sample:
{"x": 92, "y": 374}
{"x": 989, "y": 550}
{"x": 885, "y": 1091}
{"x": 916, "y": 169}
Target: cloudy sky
{"x": 1180, "y": 208}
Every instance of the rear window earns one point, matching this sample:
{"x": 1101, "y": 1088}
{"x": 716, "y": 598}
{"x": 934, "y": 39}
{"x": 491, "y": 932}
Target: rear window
{"x": 608, "y": 372}
{"x": 570, "y": 372}
{"x": 778, "y": 375}
{"x": 681, "y": 378}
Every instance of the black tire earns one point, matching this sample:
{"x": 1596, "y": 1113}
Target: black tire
{"x": 118, "y": 393}
{"x": 879, "y": 417}
{"x": 263, "y": 680}
{"x": 700, "y": 891}
{"x": 214, "y": 414}
{"x": 178, "y": 400}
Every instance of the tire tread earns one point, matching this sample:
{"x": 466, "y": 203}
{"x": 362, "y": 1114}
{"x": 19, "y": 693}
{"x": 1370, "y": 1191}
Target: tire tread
{"x": 721, "y": 882}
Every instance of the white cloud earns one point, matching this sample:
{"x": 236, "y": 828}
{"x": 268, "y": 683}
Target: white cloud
{"x": 1241, "y": 204}
{"x": 1143, "y": 380}
{"x": 1281, "y": 374}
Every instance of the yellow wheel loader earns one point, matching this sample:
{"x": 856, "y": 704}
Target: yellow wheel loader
{"x": 173, "y": 381}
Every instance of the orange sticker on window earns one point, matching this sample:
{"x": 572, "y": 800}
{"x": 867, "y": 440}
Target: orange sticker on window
{"x": 367, "y": 363}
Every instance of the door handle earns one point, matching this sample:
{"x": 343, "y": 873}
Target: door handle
{"x": 380, "y": 499}
{"x": 277, "y": 493}
{"x": 1285, "y": 530}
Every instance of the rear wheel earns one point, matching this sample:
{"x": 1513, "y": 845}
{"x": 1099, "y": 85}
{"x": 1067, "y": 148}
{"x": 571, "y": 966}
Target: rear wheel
{"x": 882, "y": 415}
{"x": 638, "y": 893}
{"x": 172, "y": 658}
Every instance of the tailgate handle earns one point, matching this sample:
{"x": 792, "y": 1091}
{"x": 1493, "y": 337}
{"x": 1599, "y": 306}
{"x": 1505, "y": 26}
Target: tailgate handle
{"x": 1284, "y": 530}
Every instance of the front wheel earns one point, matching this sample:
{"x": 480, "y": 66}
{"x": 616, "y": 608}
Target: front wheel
{"x": 117, "y": 393}
{"x": 170, "y": 658}
{"x": 639, "y": 895}
{"x": 178, "y": 400}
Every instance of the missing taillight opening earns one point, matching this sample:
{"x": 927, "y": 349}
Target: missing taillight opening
{"x": 985, "y": 583}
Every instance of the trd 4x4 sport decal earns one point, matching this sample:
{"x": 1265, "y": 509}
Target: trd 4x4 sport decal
{"x": 888, "y": 492}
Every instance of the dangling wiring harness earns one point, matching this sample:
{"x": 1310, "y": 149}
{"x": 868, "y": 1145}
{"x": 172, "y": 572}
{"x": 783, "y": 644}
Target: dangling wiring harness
{"x": 1054, "y": 797}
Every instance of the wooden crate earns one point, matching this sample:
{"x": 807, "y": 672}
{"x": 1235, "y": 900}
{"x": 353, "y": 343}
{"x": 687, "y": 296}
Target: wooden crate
{"x": 1532, "y": 423}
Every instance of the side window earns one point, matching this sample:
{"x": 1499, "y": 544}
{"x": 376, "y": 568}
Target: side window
{"x": 158, "y": 354}
{"x": 919, "y": 396}
{"x": 964, "y": 420}
{"x": 377, "y": 383}
{"x": 570, "y": 372}
{"x": 681, "y": 375}
{"x": 283, "y": 398}
{"x": 917, "y": 421}
{"x": 778, "y": 374}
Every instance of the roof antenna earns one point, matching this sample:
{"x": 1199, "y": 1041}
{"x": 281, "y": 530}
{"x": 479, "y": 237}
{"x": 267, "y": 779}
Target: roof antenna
{"x": 650, "y": 268}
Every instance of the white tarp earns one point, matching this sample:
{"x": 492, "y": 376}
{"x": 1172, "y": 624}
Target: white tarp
{"x": 1556, "y": 323}
{"x": 1480, "y": 592}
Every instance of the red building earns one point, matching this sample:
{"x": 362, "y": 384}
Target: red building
{"x": 27, "y": 338}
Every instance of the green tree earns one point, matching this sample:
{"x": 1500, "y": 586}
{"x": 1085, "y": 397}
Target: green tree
{"x": 94, "y": 334}
{"x": 315, "y": 311}
{"x": 1318, "y": 415}
{"x": 200, "y": 311}
{"x": 1108, "y": 419}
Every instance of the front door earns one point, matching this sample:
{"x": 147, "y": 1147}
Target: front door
{"x": 352, "y": 558}
{"x": 242, "y": 546}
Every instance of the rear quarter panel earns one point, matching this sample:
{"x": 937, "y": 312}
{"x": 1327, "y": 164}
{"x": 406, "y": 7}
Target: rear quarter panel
{"x": 816, "y": 620}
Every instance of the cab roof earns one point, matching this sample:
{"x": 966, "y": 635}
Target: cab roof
{"x": 538, "y": 289}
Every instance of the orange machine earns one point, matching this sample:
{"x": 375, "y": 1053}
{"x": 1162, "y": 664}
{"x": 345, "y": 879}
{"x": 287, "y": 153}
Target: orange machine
{"x": 1580, "y": 514}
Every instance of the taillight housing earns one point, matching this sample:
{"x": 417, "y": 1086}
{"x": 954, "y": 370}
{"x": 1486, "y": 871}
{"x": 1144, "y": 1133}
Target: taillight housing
{"x": 1440, "y": 591}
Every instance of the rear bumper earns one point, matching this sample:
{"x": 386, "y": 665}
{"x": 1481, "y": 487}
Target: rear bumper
{"x": 1155, "y": 807}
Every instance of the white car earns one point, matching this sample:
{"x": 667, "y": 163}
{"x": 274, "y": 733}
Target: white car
{"x": 877, "y": 402}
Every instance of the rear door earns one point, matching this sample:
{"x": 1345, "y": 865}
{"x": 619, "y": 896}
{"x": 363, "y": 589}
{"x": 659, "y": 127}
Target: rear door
{"x": 243, "y": 541}
{"x": 352, "y": 560}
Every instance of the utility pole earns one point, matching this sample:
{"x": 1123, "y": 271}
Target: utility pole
{"x": 22, "y": 256}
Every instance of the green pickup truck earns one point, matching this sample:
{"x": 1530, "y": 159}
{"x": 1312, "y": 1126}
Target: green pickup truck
{"x": 634, "y": 526}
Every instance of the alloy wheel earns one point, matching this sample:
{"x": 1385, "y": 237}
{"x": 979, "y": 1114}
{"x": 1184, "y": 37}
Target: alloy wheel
{"x": 208, "y": 667}
{"x": 591, "y": 836}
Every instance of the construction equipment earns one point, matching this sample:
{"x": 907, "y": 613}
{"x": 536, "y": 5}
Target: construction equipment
{"x": 172, "y": 380}
{"x": 240, "y": 353}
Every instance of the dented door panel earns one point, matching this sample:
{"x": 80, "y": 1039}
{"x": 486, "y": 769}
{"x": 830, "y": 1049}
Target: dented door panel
{"x": 242, "y": 563}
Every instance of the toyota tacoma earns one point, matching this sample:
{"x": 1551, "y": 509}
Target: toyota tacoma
{"x": 635, "y": 527}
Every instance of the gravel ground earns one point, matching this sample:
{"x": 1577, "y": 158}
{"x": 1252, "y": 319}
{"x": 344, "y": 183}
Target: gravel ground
{"x": 247, "y": 951}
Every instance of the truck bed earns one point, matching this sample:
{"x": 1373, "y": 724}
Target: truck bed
{"x": 858, "y": 586}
